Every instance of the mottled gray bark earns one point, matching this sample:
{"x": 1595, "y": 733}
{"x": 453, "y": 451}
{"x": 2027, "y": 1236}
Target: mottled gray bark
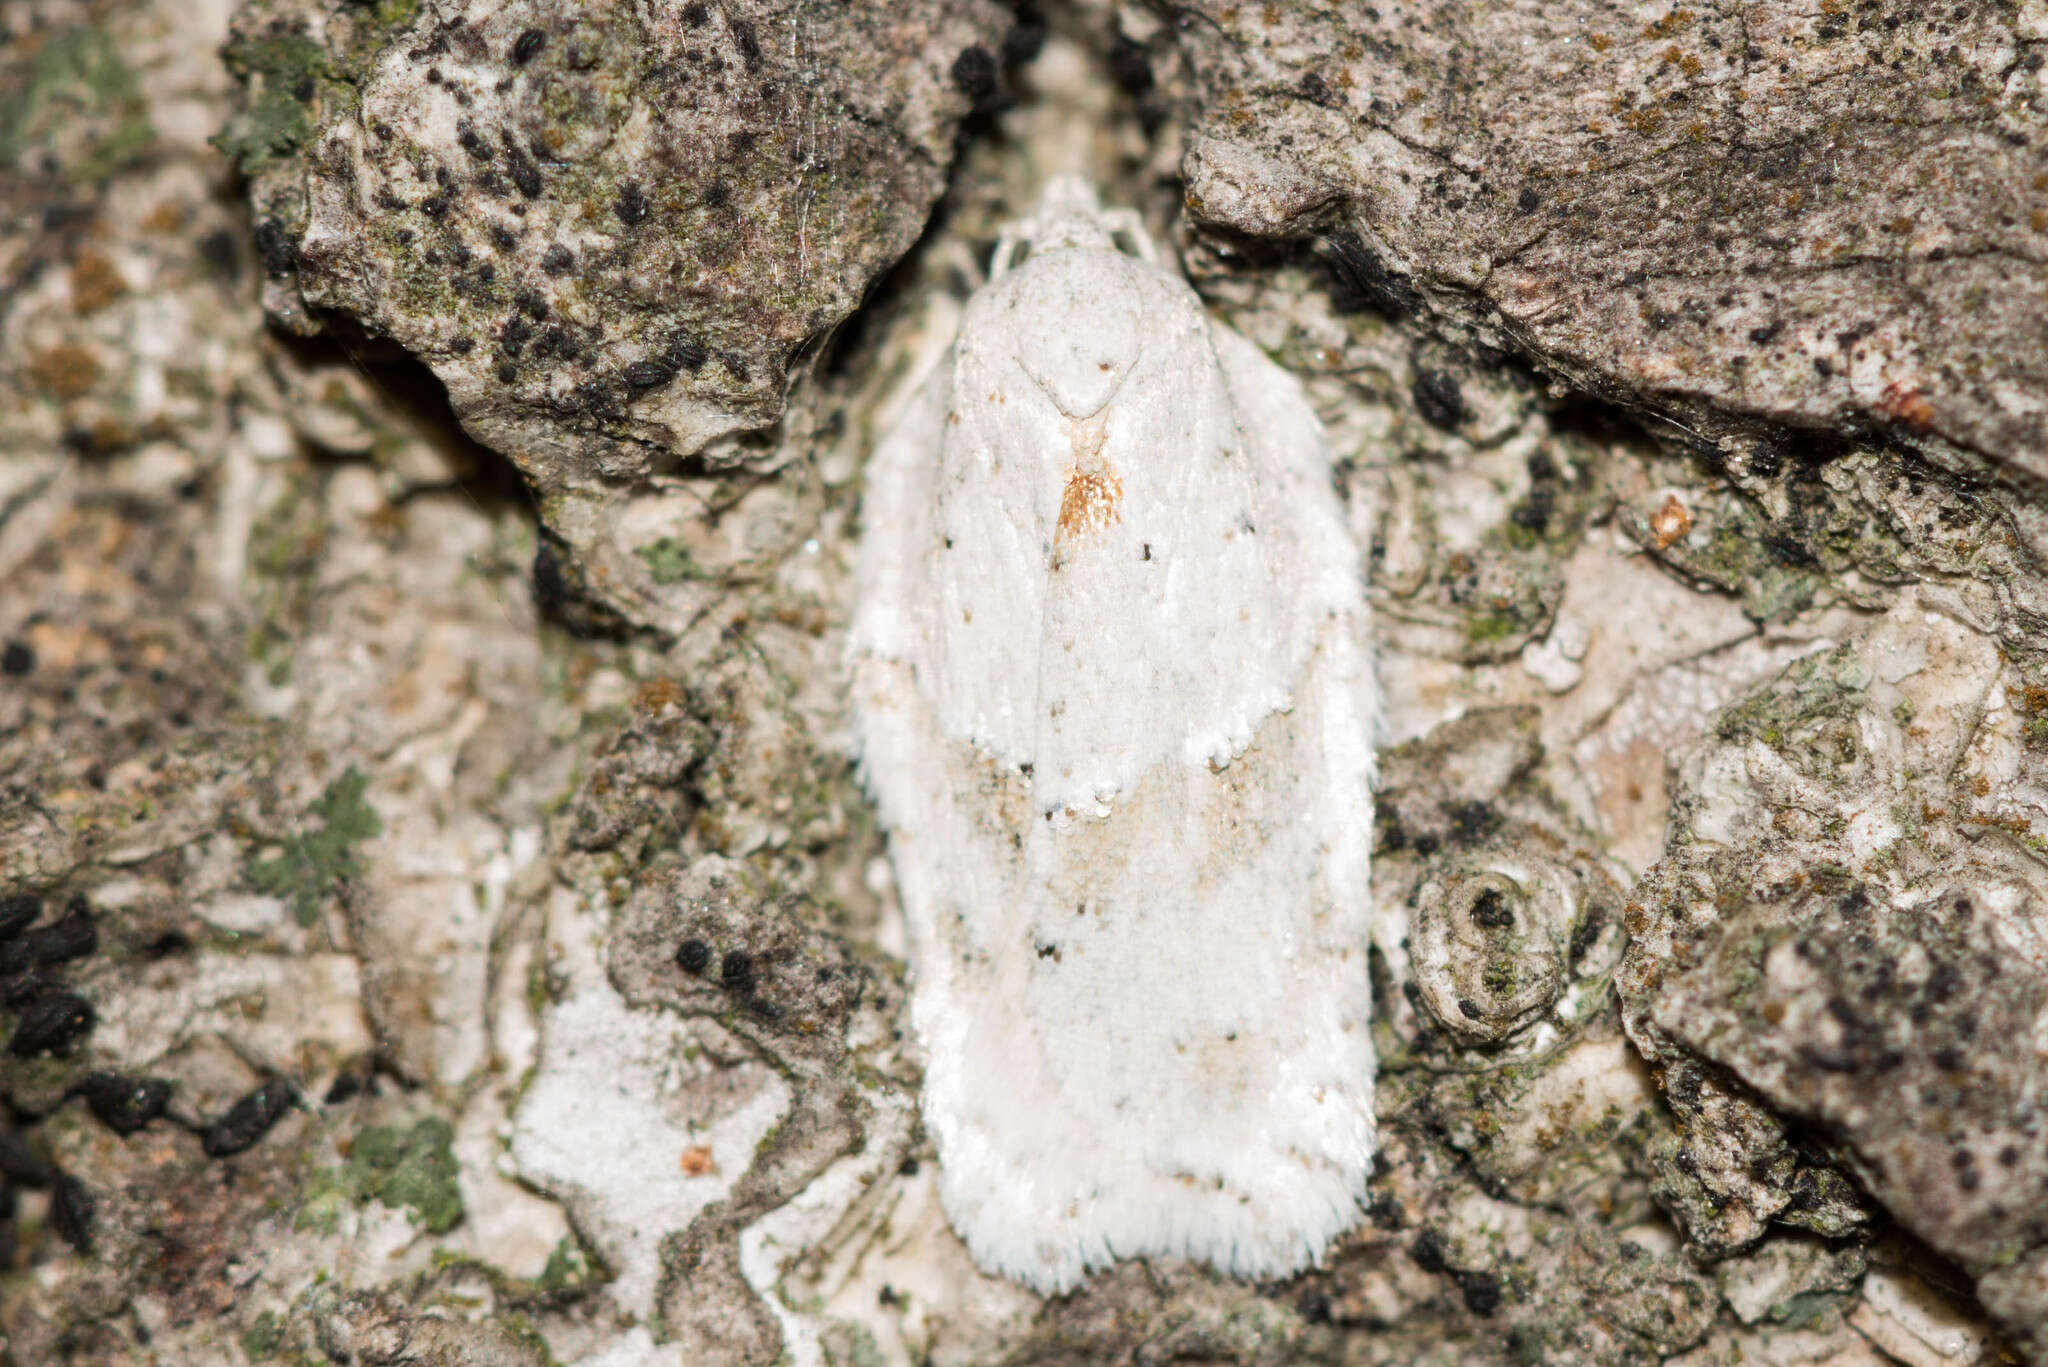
{"x": 440, "y": 921}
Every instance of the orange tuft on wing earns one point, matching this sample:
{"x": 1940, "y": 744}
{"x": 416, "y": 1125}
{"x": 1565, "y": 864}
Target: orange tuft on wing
{"x": 1090, "y": 502}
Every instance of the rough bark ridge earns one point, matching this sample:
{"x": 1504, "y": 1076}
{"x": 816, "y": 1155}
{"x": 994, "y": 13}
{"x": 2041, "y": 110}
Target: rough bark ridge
{"x": 440, "y": 924}
{"x": 1832, "y": 215}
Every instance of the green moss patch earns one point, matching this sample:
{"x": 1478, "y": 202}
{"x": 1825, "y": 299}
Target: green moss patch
{"x": 77, "y": 76}
{"x": 410, "y": 1168}
{"x": 313, "y": 866}
{"x": 283, "y": 73}
{"x": 668, "y": 560}
{"x": 406, "y": 1167}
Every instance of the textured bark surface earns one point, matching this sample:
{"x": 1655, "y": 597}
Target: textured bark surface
{"x": 440, "y": 922}
{"x": 1829, "y": 215}
{"x": 609, "y": 229}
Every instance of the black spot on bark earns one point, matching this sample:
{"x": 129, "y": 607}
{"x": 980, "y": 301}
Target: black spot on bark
{"x": 74, "y": 937}
{"x": 472, "y": 141}
{"x": 1482, "y": 1292}
{"x": 737, "y": 972}
{"x": 1533, "y": 513}
{"x": 648, "y": 374}
{"x": 249, "y": 1119}
{"x": 1363, "y": 279}
{"x": 71, "y": 1213}
{"x": 1026, "y": 37}
{"x": 686, "y": 355}
{"x": 125, "y": 1104}
{"x": 1386, "y": 1212}
{"x": 217, "y": 249}
{"x": 749, "y": 46}
{"x": 1492, "y": 911}
{"x": 974, "y": 73}
{"x": 277, "y": 248}
{"x": 525, "y": 174}
{"x": 17, "y": 913}
{"x": 1471, "y": 820}
{"x": 21, "y": 1164}
{"x": 1130, "y": 66}
{"x": 54, "y": 1022}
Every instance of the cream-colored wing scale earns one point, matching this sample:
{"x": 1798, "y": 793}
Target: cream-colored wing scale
{"x": 1114, "y": 700}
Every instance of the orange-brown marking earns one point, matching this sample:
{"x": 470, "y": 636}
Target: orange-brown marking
{"x": 1670, "y": 523}
{"x": 656, "y": 695}
{"x": 1089, "y": 502}
{"x": 95, "y": 282}
{"x": 1903, "y": 403}
{"x": 63, "y": 371}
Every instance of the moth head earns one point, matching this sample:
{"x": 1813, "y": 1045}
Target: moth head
{"x": 1079, "y": 331}
{"x": 1069, "y": 215}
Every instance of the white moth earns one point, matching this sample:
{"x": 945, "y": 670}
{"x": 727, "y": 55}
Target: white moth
{"x": 1115, "y": 704}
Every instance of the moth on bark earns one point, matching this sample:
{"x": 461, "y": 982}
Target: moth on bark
{"x": 1114, "y": 700}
